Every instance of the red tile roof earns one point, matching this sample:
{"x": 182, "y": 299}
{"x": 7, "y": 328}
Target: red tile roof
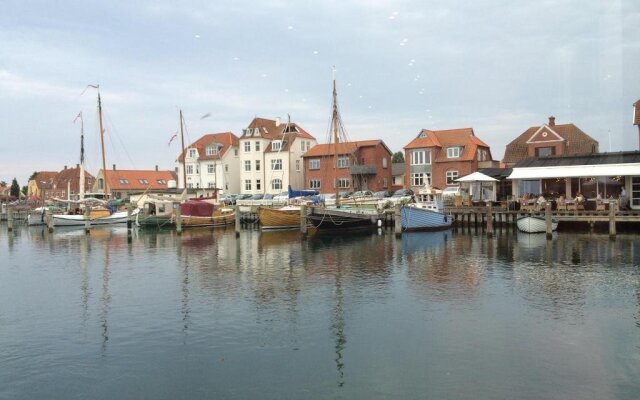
{"x": 268, "y": 129}
{"x": 577, "y": 141}
{"x": 138, "y": 179}
{"x": 45, "y": 179}
{"x": 226, "y": 139}
{"x": 343, "y": 148}
{"x": 463, "y": 137}
{"x": 636, "y": 113}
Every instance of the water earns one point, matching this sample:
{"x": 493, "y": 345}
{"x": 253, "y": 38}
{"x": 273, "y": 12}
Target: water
{"x": 268, "y": 316}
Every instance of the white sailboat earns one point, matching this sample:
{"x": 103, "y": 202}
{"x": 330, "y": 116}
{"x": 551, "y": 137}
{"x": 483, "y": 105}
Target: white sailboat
{"x": 99, "y": 214}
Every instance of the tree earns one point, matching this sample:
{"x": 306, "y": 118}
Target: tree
{"x": 3, "y": 184}
{"x": 25, "y": 189}
{"x": 33, "y": 176}
{"x": 398, "y": 157}
{"x": 15, "y": 189}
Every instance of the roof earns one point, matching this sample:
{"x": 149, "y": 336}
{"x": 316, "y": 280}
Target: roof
{"x": 45, "y": 179}
{"x": 636, "y": 113}
{"x": 71, "y": 175}
{"x": 274, "y": 129}
{"x": 225, "y": 139}
{"x": 463, "y": 137}
{"x": 397, "y": 169}
{"x": 600, "y": 164}
{"x": 577, "y": 141}
{"x": 343, "y": 148}
{"x": 498, "y": 173}
{"x": 138, "y": 179}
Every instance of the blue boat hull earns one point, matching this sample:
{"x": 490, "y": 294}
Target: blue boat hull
{"x": 418, "y": 219}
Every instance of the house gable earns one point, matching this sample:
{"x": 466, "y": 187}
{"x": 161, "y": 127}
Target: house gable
{"x": 545, "y": 135}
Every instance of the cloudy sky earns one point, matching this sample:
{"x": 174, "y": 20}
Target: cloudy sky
{"x": 497, "y": 66}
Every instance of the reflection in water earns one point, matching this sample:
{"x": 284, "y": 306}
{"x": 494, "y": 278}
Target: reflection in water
{"x": 270, "y": 315}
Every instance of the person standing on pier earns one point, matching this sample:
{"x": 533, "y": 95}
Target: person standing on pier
{"x": 623, "y": 199}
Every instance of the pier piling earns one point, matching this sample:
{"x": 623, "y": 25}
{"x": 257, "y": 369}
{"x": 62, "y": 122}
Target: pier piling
{"x": 49, "y": 219}
{"x": 612, "y": 218}
{"x": 179, "y": 219}
{"x": 237, "y": 225}
{"x": 303, "y": 220}
{"x": 398, "y": 223}
{"x": 547, "y": 220}
{"x": 489, "y": 221}
{"x": 87, "y": 225}
{"x": 9, "y": 219}
{"x": 129, "y": 222}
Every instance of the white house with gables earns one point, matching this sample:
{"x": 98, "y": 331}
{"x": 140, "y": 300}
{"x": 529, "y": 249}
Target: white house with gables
{"x": 271, "y": 156}
{"x": 211, "y": 162}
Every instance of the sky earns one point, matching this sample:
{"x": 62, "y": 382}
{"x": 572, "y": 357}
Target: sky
{"x": 497, "y": 66}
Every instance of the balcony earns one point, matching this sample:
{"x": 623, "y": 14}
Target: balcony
{"x": 363, "y": 169}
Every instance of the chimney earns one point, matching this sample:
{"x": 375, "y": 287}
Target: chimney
{"x": 156, "y": 168}
{"x": 114, "y": 167}
{"x": 552, "y": 121}
{"x": 77, "y": 166}
{"x": 65, "y": 167}
{"x": 277, "y": 121}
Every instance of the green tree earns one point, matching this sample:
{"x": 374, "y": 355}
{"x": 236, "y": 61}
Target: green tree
{"x": 33, "y": 176}
{"x": 3, "y": 183}
{"x": 398, "y": 157}
{"x": 15, "y": 188}
{"x": 24, "y": 190}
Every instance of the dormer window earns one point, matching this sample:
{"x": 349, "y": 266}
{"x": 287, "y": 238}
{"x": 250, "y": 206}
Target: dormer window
{"x": 212, "y": 150}
{"x": 453, "y": 152}
{"x": 192, "y": 153}
{"x": 422, "y": 134}
{"x": 124, "y": 181}
{"x": 276, "y": 145}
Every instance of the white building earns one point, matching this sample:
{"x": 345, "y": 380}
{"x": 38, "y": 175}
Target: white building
{"x": 271, "y": 156}
{"x": 211, "y": 162}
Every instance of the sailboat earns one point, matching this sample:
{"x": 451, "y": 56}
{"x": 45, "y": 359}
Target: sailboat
{"x": 99, "y": 212}
{"x": 158, "y": 212}
{"x": 337, "y": 217}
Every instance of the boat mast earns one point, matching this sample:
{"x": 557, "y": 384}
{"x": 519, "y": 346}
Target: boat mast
{"x": 289, "y": 166}
{"x": 334, "y": 121}
{"x": 104, "y": 161}
{"x": 81, "y": 182}
{"x": 184, "y": 155}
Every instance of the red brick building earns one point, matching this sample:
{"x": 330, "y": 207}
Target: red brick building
{"x": 360, "y": 165}
{"x": 62, "y": 185}
{"x": 549, "y": 140}
{"x": 636, "y": 118}
{"x": 438, "y": 158}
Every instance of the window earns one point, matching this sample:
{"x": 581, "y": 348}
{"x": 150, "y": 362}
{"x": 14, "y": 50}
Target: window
{"x": 451, "y": 177}
{"x": 212, "y": 150}
{"x": 143, "y": 181}
{"x": 189, "y": 169}
{"x": 258, "y": 184}
{"x": 385, "y": 183}
{"x": 257, "y": 165}
{"x": 247, "y": 147}
{"x": 276, "y": 165}
{"x": 303, "y": 145}
{"x": 247, "y": 184}
{"x": 314, "y": 184}
{"x": 210, "y": 168}
{"x": 298, "y": 165}
{"x": 453, "y": 152}
{"x": 343, "y": 183}
{"x": 417, "y": 179}
{"x": 226, "y": 168}
{"x": 161, "y": 181}
{"x": 314, "y": 163}
{"x": 545, "y": 151}
{"x": 343, "y": 162}
{"x": 235, "y": 152}
{"x": 190, "y": 185}
{"x": 211, "y": 185}
{"x": 384, "y": 162}
{"x": 257, "y": 146}
{"x": 124, "y": 181}
{"x": 276, "y": 184}
{"x": 308, "y": 146}
{"x": 276, "y": 145}
{"x": 192, "y": 153}
{"x": 100, "y": 183}
{"x": 420, "y": 157}
{"x": 247, "y": 165}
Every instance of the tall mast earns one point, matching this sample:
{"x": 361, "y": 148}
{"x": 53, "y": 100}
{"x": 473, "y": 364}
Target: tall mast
{"x": 334, "y": 122}
{"x": 81, "y": 182}
{"x": 104, "y": 161}
{"x": 184, "y": 155}
{"x": 289, "y": 166}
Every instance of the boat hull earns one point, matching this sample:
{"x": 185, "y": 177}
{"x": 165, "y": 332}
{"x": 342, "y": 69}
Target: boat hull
{"x": 119, "y": 217}
{"x": 155, "y": 221}
{"x": 330, "y": 220}
{"x": 535, "y": 224}
{"x": 419, "y": 219}
{"x": 35, "y": 219}
{"x": 274, "y": 218}
{"x": 221, "y": 219}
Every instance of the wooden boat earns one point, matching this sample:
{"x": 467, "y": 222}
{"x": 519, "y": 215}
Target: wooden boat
{"x": 196, "y": 213}
{"x": 156, "y": 213}
{"x": 287, "y": 217}
{"x": 425, "y": 216}
{"x": 342, "y": 218}
{"x": 534, "y": 223}
{"x": 96, "y": 218}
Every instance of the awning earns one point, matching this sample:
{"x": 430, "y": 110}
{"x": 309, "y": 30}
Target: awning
{"x": 576, "y": 171}
{"x": 476, "y": 177}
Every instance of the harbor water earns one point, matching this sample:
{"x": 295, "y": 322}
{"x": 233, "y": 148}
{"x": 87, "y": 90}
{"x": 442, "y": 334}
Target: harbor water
{"x": 438, "y": 315}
